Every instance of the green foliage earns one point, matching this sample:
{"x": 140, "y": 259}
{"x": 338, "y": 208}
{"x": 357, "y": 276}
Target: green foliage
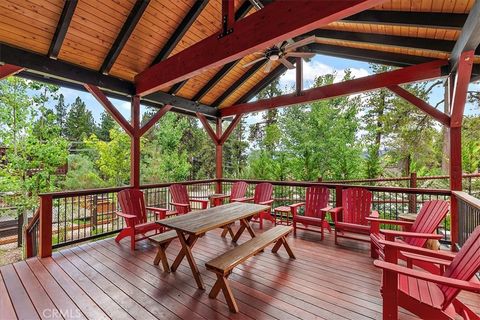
{"x": 107, "y": 123}
{"x": 80, "y": 123}
{"x": 82, "y": 174}
{"x": 471, "y": 144}
{"x": 164, "y": 156}
{"x": 111, "y": 157}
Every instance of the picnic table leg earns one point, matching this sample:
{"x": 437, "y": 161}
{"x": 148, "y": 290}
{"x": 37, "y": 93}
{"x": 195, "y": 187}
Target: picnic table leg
{"x": 244, "y": 224}
{"x": 283, "y": 241}
{"x": 190, "y": 241}
{"x": 187, "y": 244}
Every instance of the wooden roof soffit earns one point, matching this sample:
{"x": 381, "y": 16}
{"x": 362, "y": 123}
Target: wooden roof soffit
{"x": 62, "y": 28}
{"x": 419, "y": 72}
{"x": 278, "y": 21}
{"x": 124, "y": 34}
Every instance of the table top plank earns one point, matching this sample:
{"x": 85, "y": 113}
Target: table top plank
{"x": 201, "y": 221}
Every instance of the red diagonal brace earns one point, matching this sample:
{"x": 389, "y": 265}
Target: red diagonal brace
{"x": 103, "y": 100}
{"x": 208, "y": 128}
{"x": 160, "y": 113}
{"x": 422, "y": 105}
{"x": 230, "y": 129}
{"x": 462, "y": 80}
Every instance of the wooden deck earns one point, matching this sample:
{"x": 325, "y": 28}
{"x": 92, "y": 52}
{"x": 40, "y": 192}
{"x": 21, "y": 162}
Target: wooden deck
{"x": 101, "y": 280}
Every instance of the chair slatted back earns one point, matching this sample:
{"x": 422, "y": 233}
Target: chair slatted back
{"x": 132, "y": 202}
{"x": 357, "y": 205}
{"x": 428, "y": 219}
{"x": 464, "y": 266}
{"x": 316, "y": 199}
{"x": 180, "y": 195}
{"x": 263, "y": 192}
{"x": 239, "y": 189}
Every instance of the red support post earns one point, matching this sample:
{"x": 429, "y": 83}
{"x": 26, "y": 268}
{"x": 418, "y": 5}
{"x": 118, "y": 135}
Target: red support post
{"x": 219, "y": 156}
{"x": 45, "y": 248}
{"x": 228, "y": 16}
{"x": 230, "y": 129}
{"x": 207, "y": 127}
{"x": 458, "y": 100}
{"x": 135, "y": 144}
{"x": 299, "y": 76}
{"x": 9, "y": 70}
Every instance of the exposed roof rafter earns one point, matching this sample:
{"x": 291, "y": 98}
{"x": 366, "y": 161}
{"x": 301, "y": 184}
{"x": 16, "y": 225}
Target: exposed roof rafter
{"x": 410, "y": 19}
{"x": 62, "y": 28}
{"x": 122, "y": 37}
{"x": 177, "y": 35}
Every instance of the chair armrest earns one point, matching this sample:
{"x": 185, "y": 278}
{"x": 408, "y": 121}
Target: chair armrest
{"x": 419, "y": 257}
{"x": 296, "y": 205}
{"x": 243, "y": 199}
{"x": 203, "y": 202}
{"x": 375, "y": 214}
{"x": 125, "y": 215}
{"x": 159, "y": 210}
{"x": 219, "y": 196}
{"x": 266, "y": 202}
{"x": 180, "y": 204}
{"x": 450, "y": 282}
{"x": 333, "y": 212}
{"x": 391, "y": 234}
{"x": 418, "y": 250}
{"x": 389, "y": 221}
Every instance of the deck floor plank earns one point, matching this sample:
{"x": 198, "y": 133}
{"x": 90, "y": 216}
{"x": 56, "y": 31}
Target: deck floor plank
{"x": 39, "y": 297}
{"x": 104, "y": 279}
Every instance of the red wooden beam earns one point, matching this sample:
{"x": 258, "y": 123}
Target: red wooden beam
{"x": 135, "y": 144}
{"x": 462, "y": 80}
{"x": 422, "y": 105}
{"x": 9, "y": 70}
{"x": 230, "y": 129}
{"x": 102, "y": 98}
{"x": 208, "y": 128}
{"x": 276, "y": 22}
{"x": 160, "y": 113}
{"x": 418, "y": 72}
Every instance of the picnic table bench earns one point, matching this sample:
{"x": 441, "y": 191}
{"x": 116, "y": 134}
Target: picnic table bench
{"x": 223, "y": 265}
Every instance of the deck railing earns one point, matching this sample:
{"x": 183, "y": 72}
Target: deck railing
{"x": 69, "y": 217}
{"x": 468, "y": 214}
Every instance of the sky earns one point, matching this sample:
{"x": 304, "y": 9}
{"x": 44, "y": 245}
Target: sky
{"x": 317, "y": 66}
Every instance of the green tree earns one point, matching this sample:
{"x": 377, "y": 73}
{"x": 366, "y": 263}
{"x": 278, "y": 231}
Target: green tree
{"x": 107, "y": 123}
{"x": 61, "y": 110}
{"x": 80, "y": 122}
{"x": 82, "y": 174}
{"x": 235, "y": 152}
{"x": 471, "y": 144}
{"x": 112, "y": 158}
{"x": 165, "y": 157}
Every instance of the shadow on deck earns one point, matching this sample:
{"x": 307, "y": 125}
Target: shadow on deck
{"x": 104, "y": 280}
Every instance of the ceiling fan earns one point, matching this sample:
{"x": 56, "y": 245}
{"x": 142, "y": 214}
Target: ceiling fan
{"x": 283, "y": 50}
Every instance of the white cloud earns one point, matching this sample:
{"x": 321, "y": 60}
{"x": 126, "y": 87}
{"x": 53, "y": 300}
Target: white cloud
{"x": 314, "y": 69}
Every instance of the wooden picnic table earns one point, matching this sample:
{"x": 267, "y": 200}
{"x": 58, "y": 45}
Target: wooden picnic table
{"x": 191, "y": 226}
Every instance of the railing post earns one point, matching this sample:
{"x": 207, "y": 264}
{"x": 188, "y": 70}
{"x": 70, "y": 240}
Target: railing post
{"x": 20, "y": 224}
{"x": 338, "y": 196}
{"x": 219, "y": 157}
{"x": 412, "y": 198}
{"x": 45, "y": 249}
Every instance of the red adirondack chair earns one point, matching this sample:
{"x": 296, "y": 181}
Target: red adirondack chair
{"x": 238, "y": 191}
{"x": 262, "y": 195}
{"x": 134, "y": 212}
{"x": 181, "y": 200}
{"x": 316, "y": 203}
{"x": 416, "y": 233}
{"x": 351, "y": 218}
{"x": 428, "y": 295}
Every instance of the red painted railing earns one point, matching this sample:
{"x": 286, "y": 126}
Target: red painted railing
{"x": 69, "y": 217}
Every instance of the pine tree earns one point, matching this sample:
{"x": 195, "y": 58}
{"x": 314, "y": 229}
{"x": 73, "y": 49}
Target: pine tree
{"x": 80, "y": 122}
{"x": 61, "y": 110}
{"x": 106, "y": 124}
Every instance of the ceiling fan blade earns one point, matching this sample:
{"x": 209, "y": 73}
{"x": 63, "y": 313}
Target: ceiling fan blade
{"x": 253, "y": 62}
{"x": 300, "y": 43}
{"x": 268, "y": 67}
{"x": 286, "y": 63}
{"x": 300, "y": 54}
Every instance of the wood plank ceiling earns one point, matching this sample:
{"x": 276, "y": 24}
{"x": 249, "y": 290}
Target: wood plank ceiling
{"x": 95, "y": 26}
